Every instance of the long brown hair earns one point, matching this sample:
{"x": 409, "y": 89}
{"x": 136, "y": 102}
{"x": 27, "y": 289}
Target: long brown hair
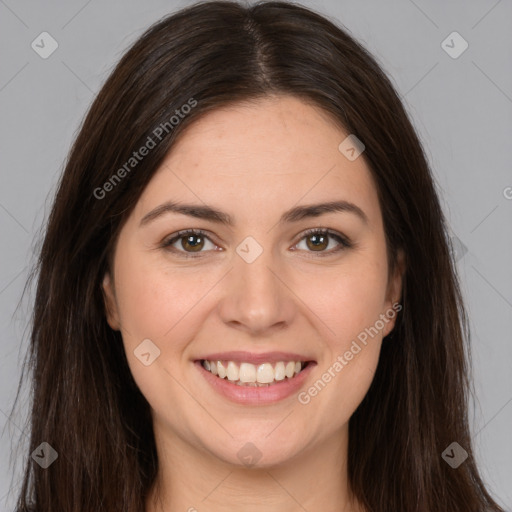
{"x": 86, "y": 404}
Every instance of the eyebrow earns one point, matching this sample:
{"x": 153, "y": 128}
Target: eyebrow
{"x": 212, "y": 214}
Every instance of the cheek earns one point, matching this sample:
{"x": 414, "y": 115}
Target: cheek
{"x": 349, "y": 299}
{"x": 154, "y": 300}
{"x": 352, "y": 347}
{"x": 163, "y": 307}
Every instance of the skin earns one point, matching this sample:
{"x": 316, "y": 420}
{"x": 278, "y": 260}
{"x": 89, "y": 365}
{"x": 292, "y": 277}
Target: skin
{"x": 285, "y": 152}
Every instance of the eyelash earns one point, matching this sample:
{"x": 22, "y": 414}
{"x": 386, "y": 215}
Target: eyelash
{"x": 344, "y": 242}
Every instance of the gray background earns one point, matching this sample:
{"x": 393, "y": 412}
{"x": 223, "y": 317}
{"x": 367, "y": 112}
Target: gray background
{"x": 461, "y": 107}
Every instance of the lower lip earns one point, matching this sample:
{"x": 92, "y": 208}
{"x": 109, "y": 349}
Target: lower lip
{"x": 253, "y": 395}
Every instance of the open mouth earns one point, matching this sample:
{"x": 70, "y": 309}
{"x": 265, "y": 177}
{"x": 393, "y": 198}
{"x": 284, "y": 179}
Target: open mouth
{"x": 255, "y": 375}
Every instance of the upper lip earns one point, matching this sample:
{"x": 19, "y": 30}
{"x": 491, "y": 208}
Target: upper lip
{"x": 254, "y": 358}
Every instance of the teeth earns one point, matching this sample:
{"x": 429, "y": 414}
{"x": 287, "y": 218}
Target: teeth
{"x": 279, "y": 371}
{"x": 247, "y": 374}
{"x": 289, "y": 369}
{"x": 265, "y": 373}
{"x": 221, "y": 370}
{"x": 233, "y": 371}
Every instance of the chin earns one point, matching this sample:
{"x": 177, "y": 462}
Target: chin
{"x": 255, "y": 452}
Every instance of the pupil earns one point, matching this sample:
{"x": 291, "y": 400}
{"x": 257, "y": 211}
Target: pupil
{"x": 318, "y": 241}
{"x": 189, "y": 241}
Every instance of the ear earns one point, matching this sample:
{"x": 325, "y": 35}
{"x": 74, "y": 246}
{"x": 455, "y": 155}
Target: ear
{"x": 109, "y": 297}
{"x": 394, "y": 293}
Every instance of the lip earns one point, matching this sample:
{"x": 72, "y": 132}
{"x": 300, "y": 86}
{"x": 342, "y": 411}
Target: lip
{"x": 248, "y": 395}
{"x": 239, "y": 356}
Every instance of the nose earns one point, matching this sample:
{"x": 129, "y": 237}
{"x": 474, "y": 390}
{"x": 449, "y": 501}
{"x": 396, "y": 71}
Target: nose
{"x": 257, "y": 298}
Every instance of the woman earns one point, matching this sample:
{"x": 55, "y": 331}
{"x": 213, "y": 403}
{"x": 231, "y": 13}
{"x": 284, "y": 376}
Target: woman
{"x": 245, "y": 295}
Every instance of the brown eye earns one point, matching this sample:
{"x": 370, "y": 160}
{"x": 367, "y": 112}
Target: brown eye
{"x": 317, "y": 242}
{"x": 192, "y": 243}
{"x": 188, "y": 243}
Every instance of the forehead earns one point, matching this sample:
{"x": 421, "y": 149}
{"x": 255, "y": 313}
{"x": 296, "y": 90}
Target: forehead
{"x": 274, "y": 130}
{"x": 264, "y": 154}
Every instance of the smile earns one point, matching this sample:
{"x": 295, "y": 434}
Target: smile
{"x": 248, "y": 374}
{"x": 263, "y": 383}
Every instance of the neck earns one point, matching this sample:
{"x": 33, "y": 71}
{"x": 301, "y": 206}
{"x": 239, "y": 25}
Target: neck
{"x": 192, "y": 480}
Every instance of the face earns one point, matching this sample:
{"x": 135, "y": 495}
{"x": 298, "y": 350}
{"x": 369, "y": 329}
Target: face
{"x": 263, "y": 279}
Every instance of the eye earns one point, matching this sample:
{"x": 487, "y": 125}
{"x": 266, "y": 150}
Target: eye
{"x": 189, "y": 241}
{"x": 318, "y": 240}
